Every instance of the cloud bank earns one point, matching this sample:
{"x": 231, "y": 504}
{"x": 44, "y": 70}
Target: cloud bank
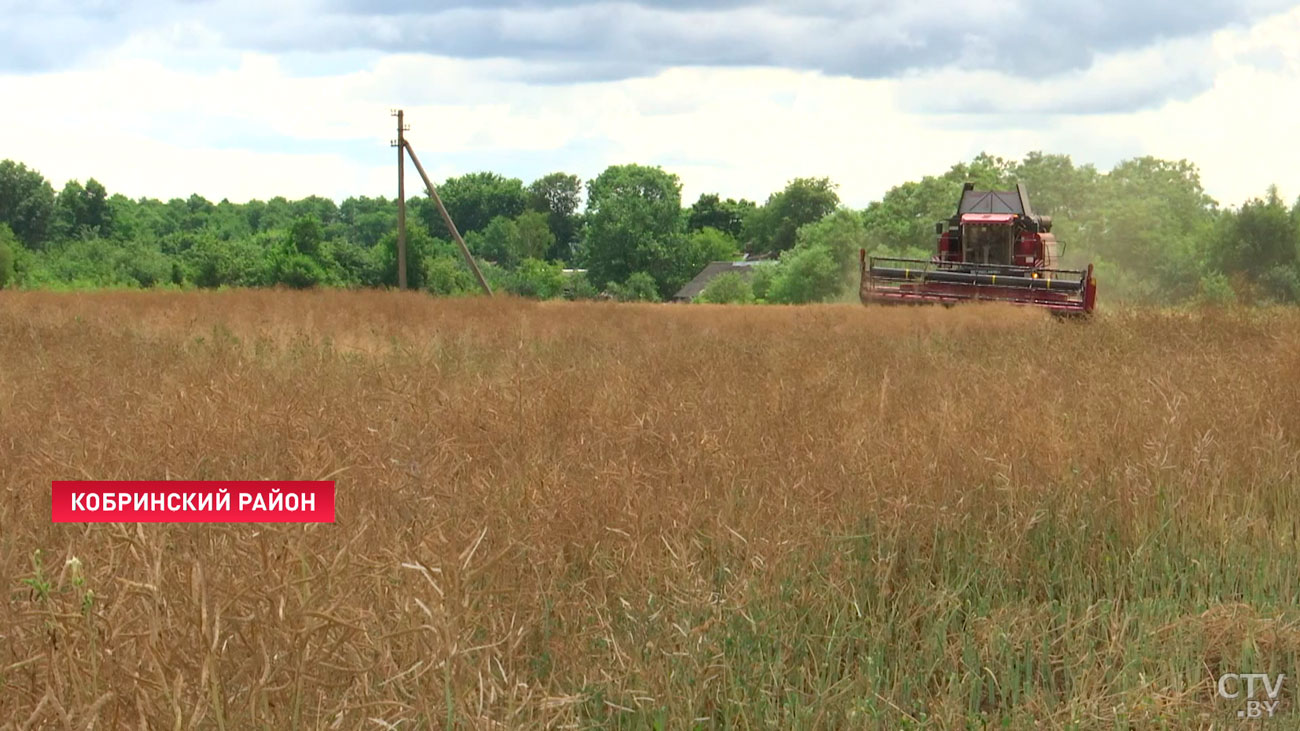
{"x": 252, "y": 99}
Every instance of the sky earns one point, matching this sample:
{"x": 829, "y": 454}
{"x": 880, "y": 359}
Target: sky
{"x": 249, "y": 99}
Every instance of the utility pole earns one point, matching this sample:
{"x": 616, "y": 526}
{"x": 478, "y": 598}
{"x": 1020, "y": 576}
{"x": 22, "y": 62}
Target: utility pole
{"x": 404, "y": 148}
{"x": 446, "y": 217}
{"x": 400, "y": 144}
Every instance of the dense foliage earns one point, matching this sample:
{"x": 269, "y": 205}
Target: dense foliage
{"x": 1148, "y": 225}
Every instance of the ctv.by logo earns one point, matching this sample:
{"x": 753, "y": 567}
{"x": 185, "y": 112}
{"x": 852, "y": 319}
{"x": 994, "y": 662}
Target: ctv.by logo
{"x": 1231, "y": 686}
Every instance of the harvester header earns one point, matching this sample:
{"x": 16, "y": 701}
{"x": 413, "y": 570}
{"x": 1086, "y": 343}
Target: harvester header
{"x": 994, "y": 248}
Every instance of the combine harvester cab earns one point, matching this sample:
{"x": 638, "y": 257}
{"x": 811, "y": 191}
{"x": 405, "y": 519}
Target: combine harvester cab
{"x": 994, "y": 249}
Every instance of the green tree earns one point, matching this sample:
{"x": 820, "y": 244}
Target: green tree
{"x": 633, "y": 222}
{"x": 445, "y": 275}
{"x": 1262, "y": 236}
{"x": 297, "y": 270}
{"x": 304, "y": 259}
{"x": 98, "y": 213}
{"x": 197, "y": 210}
{"x": 536, "y": 278}
{"x": 475, "y": 199}
{"x": 534, "y": 236}
{"x": 1056, "y": 187}
{"x": 1147, "y": 224}
{"x": 272, "y": 215}
{"x": 985, "y": 171}
{"x": 214, "y": 262}
{"x": 1152, "y": 221}
{"x": 142, "y": 265}
{"x": 903, "y": 220}
{"x": 806, "y": 274}
{"x": 728, "y": 216}
{"x": 1177, "y": 182}
{"x": 127, "y": 223}
{"x": 1215, "y": 289}
{"x": 727, "y": 288}
{"x": 357, "y": 265}
{"x": 146, "y": 217}
{"x": 83, "y": 210}
{"x": 226, "y": 220}
{"x": 760, "y": 280}
{"x": 772, "y": 228}
{"x": 498, "y": 241}
{"x": 639, "y": 287}
{"x": 8, "y": 245}
{"x": 421, "y": 248}
{"x": 323, "y": 210}
{"x": 368, "y": 219}
{"x": 496, "y": 276}
{"x": 578, "y": 286}
{"x": 681, "y": 261}
{"x": 307, "y": 237}
{"x": 69, "y": 213}
{"x": 842, "y": 233}
{"x": 558, "y": 195}
{"x": 1281, "y": 284}
{"x": 27, "y": 203}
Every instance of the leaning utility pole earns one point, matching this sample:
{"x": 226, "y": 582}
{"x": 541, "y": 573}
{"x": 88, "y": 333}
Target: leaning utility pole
{"x": 446, "y": 217}
{"x": 403, "y": 144}
{"x": 400, "y": 144}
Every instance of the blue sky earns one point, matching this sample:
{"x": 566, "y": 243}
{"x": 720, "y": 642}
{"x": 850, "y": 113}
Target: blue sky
{"x": 253, "y": 99}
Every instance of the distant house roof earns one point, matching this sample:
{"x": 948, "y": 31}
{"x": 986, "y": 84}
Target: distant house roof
{"x": 711, "y": 272}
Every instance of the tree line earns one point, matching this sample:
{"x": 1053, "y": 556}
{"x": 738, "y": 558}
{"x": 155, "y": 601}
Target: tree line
{"x": 1147, "y": 224}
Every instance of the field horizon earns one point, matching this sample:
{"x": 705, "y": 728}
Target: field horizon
{"x": 590, "y": 514}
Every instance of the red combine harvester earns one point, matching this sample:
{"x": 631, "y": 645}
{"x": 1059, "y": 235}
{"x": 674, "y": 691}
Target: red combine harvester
{"x": 994, "y": 249}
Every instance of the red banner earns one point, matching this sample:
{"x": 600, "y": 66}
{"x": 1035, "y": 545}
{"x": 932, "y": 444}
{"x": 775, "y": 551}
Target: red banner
{"x": 191, "y": 501}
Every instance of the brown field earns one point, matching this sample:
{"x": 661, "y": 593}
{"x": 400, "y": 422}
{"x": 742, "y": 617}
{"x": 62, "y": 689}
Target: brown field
{"x": 600, "y": 515}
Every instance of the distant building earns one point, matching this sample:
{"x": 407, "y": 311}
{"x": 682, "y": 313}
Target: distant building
{"x": 711, "y": 272}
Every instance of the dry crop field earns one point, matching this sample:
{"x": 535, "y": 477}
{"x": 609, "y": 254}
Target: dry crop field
{"x": 601, "y": 515}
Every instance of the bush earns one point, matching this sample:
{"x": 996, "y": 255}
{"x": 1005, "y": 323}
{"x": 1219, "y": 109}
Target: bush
{"x": 445, "y": 275}
{"x": 298, "y": 271}
{"x": 1217, "y": 290}
{"x": 731, "y": 288}
{"x": 7, "y": 246}
{"x": 420, "y": 249}
{"x": 1280, "y": 284}
{"x": 497, "y": 242}
{"x": 360, "y": 266}
{"x": 806, "y": 275}
{"x": 760, "y": 282}
{"x": 94, "y": 262}
{"x": 690, "y": 254}
{"x": 536, "y": 278}
{"x": 236, "y": 263}
{"x": 497, "y": 277}
{"x": 639, "y": 287}
{"x": 307, "y": 237}
{"x": 843, "y": 234}
{"x": 579, "y": 287}
{"x": 145, "y": 265}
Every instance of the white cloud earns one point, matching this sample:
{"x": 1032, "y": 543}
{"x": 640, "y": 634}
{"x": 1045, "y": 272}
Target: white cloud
{"x": 144, "y": 125}
{"x": 1241, "y": 132}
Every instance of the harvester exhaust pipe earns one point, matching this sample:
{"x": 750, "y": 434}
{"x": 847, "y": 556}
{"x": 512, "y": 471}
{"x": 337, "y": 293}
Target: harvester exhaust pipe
{"x": 864, "y": 271}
